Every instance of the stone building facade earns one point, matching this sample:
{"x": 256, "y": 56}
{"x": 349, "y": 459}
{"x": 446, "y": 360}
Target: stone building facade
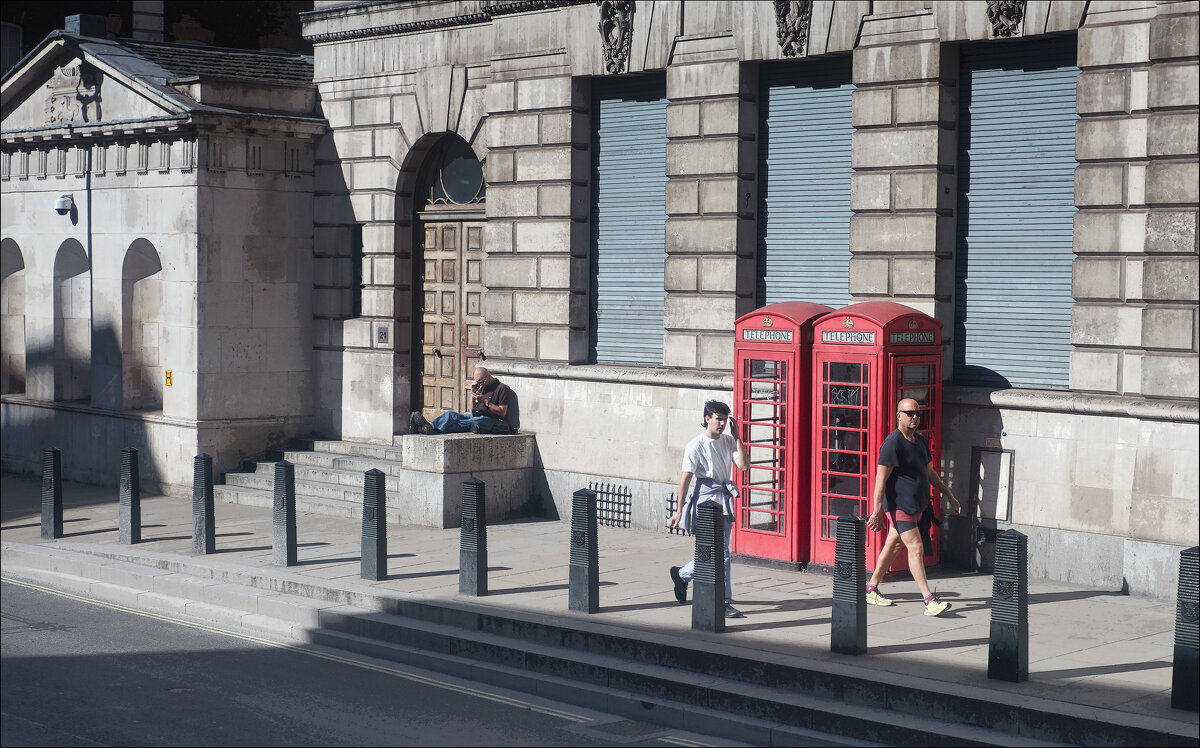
{"x": 586, "y": 196}
{"x": 1103, "y": 465}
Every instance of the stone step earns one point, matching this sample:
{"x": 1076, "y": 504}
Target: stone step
{"x": 389, "y": 453}
{"x": 349, "y": 505}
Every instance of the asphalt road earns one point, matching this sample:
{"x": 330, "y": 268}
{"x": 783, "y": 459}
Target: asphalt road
{"x": 81, "y": 673}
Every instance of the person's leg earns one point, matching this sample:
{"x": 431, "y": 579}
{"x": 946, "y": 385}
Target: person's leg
{"x": 887, "y": 554}
{"x": 728, "y": 577}
{"x": 452, "y": 423}
{"x": 916, "y": 559}
{"x": 688, "y": 570}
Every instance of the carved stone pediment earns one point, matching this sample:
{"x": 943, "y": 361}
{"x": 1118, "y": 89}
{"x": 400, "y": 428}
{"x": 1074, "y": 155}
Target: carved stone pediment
{"x": 792, "y": 19}
{"x": 73, "y": 94}
{"x": 616, "y": 32}
{"x": 1006, "y": 17}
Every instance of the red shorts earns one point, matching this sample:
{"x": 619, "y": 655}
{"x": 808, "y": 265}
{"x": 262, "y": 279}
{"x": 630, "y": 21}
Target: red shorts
{"x": 902, "y": 520}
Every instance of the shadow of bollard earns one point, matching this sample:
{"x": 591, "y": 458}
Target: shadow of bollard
{"x": 204, "y": 528}
{"x": 472, "y": 554}
{"x": 283, "y": 516}
{"x": 129, "y": 510}
{"x": 52, "y": 497}
{"x": 848, "y": 634}
{"x": 1184, "y": 675}
{"x": 708, "y": 580}
{"x": 584, "y": 583}
{"x": 1008, "y": 650}
{"x": 374, "y": 526}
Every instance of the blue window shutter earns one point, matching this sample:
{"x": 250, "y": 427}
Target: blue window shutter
{"x": 804, "y": 182}
{"x": 1016, "y": 207}
{"x": 629, "y": 177}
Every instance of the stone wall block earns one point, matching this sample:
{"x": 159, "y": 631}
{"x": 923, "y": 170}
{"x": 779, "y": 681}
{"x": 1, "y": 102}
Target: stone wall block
{"x": 376, "y": 175}
{"x": 914, "y": 276}
{"x": 1173, "y": 134}
{"x": 871, "y": 190}
{"x": 512, "y": 130}
{"x": 372, "y": 111}
{"x": 1100, "y": 232}
{"x": 378, "y": 302}
{"x": 1166, "y": 375}
{"x": 354, "y": 143}
{"x": 870, "y": 276}
{"x": 552, "y": 273}
{"x": 512, "y": 200}
{"x": 720, "y": 117}
{"x": 554, "y": 344}
{"x": 681, "y": 274}
{"x": 1174, "y": 85}
{"x": 498, "y": 306}
{"x": 1096, "y": 278}
{"x": 700, "y": 156}
{"x": 1102, "y": 92}
{"x": 499, "y": 235}
{"x": 702, "y": 235}
{"x": 512, "y": 272}
{"x": 541, "y": 307}
{"x": 501, "y": 96}
{"x": 560, "y": 128}
{"x": 680, "y": 349}
{"x": 894, "y": 234}
{"x": 1100, "y": 185}
{"x": 1173, "y": 183}
{"x": 918, "y": 104}
{"x": 918, "y": 190}
{"x": 510, "y": 342}
{"x": 683, "y": 197}
{"x": 383, "y": 270}
{"x": 716, "y": 351}
{"x": 1171, "y": 231}
{"x": 1171, "y": 280}
{"x": 501, "y": 166}
{"x": 688, "y": 312}
{"x": 1169, "y": 327}
{"x": 896, "y": 63}
{"x": 719, "y": 195}
{"x": 703, "y": 80}
{"x": 554, "y": 201}
{"x": 1175, "y": 36}
{"x": 1094, "y": 370}
{"x": 891, "y": 148}
{"x": 544, "y": 164}
{"x": 337, "y": 113}
{"x": 543, "y": 93}
{"x": 1102, "y": 139}
{"x": 871, "y": 107}
{"x": 1100, "y": 324}
{"x": 1118, "y": 44}
{"x": 718, "y": 274}
{"x": 683, "y": 120}
{"x": 547, "y": 235}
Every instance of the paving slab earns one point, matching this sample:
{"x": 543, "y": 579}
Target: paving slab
{"x": 1093, "y": 648}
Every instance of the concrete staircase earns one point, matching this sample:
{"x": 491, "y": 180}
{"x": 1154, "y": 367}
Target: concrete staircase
{"x": 423, "y": 477}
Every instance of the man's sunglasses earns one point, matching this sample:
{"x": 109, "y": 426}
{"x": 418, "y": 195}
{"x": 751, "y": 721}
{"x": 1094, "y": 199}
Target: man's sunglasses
{"x": 911, "y": 413}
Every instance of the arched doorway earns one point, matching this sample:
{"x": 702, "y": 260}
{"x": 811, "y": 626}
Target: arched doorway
{"x": 448, "y": 276}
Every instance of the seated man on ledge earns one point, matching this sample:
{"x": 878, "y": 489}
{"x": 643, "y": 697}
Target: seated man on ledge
{"x": 494, "y": 410}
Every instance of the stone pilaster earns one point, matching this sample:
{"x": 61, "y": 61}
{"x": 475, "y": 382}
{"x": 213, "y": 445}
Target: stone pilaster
{"x": 711, "y": 203}
{"x": 1135, "y": 275}
{"x": 537, "y": 241}
{"x": 903, "y": 189}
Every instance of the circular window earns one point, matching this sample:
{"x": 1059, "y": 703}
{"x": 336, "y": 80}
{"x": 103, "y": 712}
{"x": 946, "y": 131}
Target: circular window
{"x": 456, "y": 177}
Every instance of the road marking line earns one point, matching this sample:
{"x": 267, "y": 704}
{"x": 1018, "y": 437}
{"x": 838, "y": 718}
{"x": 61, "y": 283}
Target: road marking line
{"x": 570, "y": 716}
{"x": 676, "y": 740}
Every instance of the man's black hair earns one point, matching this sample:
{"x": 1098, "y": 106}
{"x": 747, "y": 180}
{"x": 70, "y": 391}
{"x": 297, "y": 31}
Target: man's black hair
{"x": 713, "y": 407}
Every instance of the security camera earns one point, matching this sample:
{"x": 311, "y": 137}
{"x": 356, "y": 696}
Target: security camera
{"x": 63, "y": 205}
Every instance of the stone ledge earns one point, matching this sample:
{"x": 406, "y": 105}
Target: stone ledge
{"x": 466, "y": 453}
{"x": 1175, "y": 410}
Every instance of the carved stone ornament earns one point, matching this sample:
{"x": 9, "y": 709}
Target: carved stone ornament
{"x": 73, "y": 94}
{"x": 1006, "y": 17}
{"x": 616, "y": 32}
{"x": 578, "y": 539}
{"x": 843, "y": 569}
{"x": 1003, "y": 589}
{"x": 792, "y": 18}
{"x": 704, "y": 553}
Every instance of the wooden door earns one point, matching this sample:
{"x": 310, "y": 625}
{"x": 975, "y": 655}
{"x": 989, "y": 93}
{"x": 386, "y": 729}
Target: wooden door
{"x": 451, "y": 314}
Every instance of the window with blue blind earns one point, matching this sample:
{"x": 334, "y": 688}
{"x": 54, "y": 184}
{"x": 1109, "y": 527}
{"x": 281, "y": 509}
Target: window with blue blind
{"x": 1016, "y": 208}
{"x": 629, "y": 177}
{"x": 804, "y": 182}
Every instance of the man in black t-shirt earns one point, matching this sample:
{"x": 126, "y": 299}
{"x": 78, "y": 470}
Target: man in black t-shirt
{"x": 494, "y": 410}
{"x": 902, "y": 492}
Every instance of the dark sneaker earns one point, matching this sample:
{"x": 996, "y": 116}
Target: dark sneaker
{"x": 680, "y": 585}
{"x": 419, "y": 425}
{"x": 732, "y": 612}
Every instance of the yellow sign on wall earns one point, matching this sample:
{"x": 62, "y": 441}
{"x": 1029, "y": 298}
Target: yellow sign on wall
{"x": 168, "y": 377}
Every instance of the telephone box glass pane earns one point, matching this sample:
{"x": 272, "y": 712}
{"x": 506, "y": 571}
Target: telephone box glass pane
{"x": 763, "y": 421}
{"x": 844, "y": 461}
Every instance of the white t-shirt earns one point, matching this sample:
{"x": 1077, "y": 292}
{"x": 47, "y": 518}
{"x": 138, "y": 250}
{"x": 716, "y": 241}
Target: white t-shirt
{"x": 710, "y": 459}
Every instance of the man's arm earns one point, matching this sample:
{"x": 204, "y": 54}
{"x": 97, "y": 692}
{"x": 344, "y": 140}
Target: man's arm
{"x": 875, "y": 521}
{"x": 740, "y": 457}
{"x": 491, "y": 409}
{"x": 940, "y": 485}
{"x": 685, "y": 480}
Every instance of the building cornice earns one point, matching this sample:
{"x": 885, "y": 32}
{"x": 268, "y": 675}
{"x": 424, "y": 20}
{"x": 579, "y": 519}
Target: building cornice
{"x": 485, "y": 15}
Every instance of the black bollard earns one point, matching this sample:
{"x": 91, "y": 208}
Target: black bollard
{"x": 584, "y": 588}
{"x": 1008, "y": 650}
{"x": 1187, "y": 634}
{"x": 849, "y": 632}
{"x": 52, "y": 497}
{"x": 374, "y": 526}
{"x": 472, "y": 554}
{"x": 204, "y": 528}
{"x": 708, "y": 596}
{"x": 283, "y": 518}
{"x": 129, "y": 511}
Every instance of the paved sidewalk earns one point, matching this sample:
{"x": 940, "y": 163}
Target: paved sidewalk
{"x": 1089, "y": 647}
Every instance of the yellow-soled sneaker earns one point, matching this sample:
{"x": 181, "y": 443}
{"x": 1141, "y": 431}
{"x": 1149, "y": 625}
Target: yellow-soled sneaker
{"x": 874, "y": 598}
{"x": 936, "y": 607}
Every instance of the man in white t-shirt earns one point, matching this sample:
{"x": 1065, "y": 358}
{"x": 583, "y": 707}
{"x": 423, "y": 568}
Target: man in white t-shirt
{"x": 709, "y": 458}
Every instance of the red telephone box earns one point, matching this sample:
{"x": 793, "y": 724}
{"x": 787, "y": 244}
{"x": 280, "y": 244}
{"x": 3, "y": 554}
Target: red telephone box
{"x": 866, "y": 358}
{"x": 772, "y": 384}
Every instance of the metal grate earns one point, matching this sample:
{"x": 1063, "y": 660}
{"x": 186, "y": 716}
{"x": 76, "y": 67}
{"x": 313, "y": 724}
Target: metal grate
{"x": 614, "y": 504}
{"x": 671, "y": 510}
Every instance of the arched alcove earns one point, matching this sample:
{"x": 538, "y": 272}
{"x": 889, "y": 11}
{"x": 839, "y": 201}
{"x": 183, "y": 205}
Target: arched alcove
{"x": 72, "y": 322}
{"x": 141, "y": 328}
{"x": 12, "y": 318}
